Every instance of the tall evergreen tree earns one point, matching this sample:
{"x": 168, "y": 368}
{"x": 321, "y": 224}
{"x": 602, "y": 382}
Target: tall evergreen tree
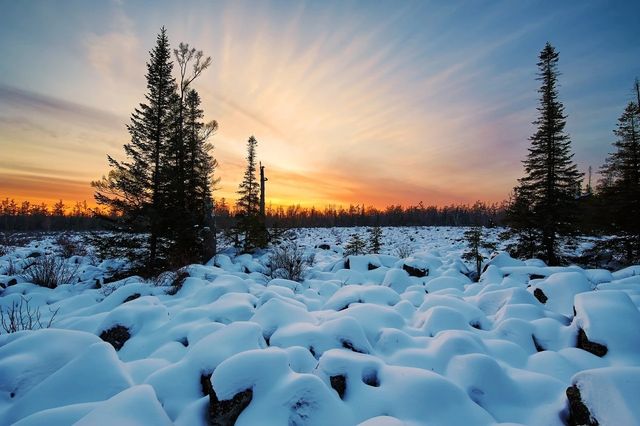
{"x": 135, "y": 188}
{"x": 545, "y": 198}
{"x": 619, "y": 186}
{"x": 250, "y": 223}
{"x": 198, "y": 226}
{"x": 249, "y": 190}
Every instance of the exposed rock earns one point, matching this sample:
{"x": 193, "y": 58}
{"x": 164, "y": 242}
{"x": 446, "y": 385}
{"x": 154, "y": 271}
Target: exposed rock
{"x": 539, "y": 294}
{"x": 134, "y": 296}
{"x": 339, "y": 384}
{"x": 578, "y": 412}
{"x": 537, "y": 344}
{"x": 225, "y": 413}
{"x": 585, "y": 344}
{"x": 371, "y": 267}
{"x": 205, "y": 384}
{"x": 324, "y": 246}
{"x": 348, "y": 345}
{"x": 415, "y": 272}
{"x": 476, "y": 325}
{"x": 370, "y": 377}
{"x": 116, "y": 336}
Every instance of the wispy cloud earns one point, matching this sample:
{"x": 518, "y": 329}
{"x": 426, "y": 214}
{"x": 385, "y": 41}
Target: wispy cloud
{"x": 28, "y": 102}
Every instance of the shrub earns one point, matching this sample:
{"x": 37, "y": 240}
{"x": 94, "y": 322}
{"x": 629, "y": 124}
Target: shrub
{"x": 404, "y": 251}
{"x": 50, "y": 271}
{"x": 21, "y": 316}
{"x": 69, "y": 246}
{"x": 289, "y": 262}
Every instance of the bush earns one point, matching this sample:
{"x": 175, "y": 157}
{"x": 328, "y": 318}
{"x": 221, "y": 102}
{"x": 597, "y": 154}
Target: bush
{"x": 68, "y": 246}
{"x": 289, "y": 262}
{"x": 21, "y": 316}
{"x": 404, "y": 251}
{"x": 50, "y": 271}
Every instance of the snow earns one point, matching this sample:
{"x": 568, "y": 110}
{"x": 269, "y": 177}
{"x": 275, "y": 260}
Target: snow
{"x": 388, "y": 341}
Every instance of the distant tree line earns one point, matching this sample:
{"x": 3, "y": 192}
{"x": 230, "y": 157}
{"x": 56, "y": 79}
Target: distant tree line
{"x": 34, "y": 217}
{"x": 394, "y": 215}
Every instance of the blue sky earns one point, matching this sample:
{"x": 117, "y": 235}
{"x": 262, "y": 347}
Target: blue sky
{"x": 363, "y": 102}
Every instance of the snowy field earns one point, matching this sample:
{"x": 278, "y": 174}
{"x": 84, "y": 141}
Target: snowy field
{"x": 400, "y": 338}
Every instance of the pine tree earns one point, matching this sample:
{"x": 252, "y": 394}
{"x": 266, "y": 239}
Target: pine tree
{"x": 545, "y": 198}
{"x": 250, "y": 223}
{"x": 477, "y": 246}
{"x": 375, "y": 239}
{"x": 58, "y": 208}
{"x": 136, "y": 188}
{"x": 355, "y": 245}
{"x": 619, "y": 187}
{"x": 249, "y": 190}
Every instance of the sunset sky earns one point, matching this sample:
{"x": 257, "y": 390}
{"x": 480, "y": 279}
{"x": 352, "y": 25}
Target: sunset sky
{"x": 373, "y": 102}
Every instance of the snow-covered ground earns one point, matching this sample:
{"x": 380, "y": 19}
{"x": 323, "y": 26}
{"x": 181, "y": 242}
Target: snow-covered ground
{"x": 369, "y": 345}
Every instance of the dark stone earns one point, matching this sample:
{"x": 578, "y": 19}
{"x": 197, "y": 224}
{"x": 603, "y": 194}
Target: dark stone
{"x": 578, "y": 412}
{"x": 178, "y": 282}
{"x": 11, "y": 282}
{"x": 539, "y": 294}
{"x": 225, "y": 413}
{"x": 371, "y": 267}
{"x": 134, "y": 296}
{"x": 324, "y": 246}
{"x": 313, "y": 352}
{"x": 574, "y": 311}
{"x": 585, "y": 344}
{"x": 370, "y": 377}
{"x": 536, "y": 277}
{"x": 205, "y": 385}
{"x": 348, "y": 345}
{"x": 537, "y": 344}
{"x": 415, "y": 272}
{"x": 347, "y": 264}
{"x": 116, "y": 336}
{"x": 34, "y": 254}
{"x": 476, "y": 325}
{"x": 339, "y": 384}
{"x": 184, "y": 342}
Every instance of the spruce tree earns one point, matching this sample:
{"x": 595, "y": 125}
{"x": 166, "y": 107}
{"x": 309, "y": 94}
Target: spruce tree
{"x": 545, "y": 198}
{"x": 619, "y": 187}
{"x": 355, "y": 245}
{"x": 477, "y": 248}
{"x": 136, "y": 188}
{"x": 250, "y": 223}
{"x": 375, "y": 240}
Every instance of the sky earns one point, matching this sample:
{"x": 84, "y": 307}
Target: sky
{"x": 363, "y": 102}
